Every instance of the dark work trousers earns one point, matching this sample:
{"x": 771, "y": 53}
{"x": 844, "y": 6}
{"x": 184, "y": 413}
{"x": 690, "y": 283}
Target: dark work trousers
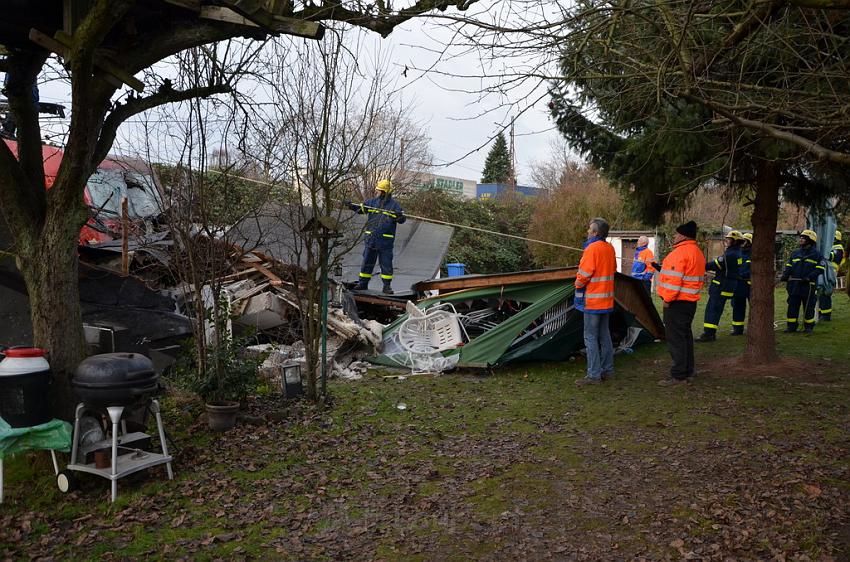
{"x": 384, "y": 256}
{"x": 739, "y": 308}
{"x": 825, "y": 307}
{"x": 678, "y": 317}
{"x": 647, "y": 284}
{"x": 808, "y": 302}
{"x": 713, "y": 311}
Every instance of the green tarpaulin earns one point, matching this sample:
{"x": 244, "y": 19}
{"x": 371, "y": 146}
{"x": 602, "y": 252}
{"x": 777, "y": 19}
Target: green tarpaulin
{"x": 504, "y": 343}
{"x": 55, "y": 434}
{"x": 547, "y": 328}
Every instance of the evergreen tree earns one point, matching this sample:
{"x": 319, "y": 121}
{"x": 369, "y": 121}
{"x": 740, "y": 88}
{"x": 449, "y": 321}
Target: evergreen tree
{"x": 497, "y": 166}
{"x": 660, "y": 131}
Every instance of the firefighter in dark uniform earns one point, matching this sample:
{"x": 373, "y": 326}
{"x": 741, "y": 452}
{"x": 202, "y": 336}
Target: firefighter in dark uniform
{"x": 383, "y": 213}
{"x": 722, "y": 287}
{"x": 801, "y": 272}
{"x": 836, "y": 258}
{"x": 742, "y": 289}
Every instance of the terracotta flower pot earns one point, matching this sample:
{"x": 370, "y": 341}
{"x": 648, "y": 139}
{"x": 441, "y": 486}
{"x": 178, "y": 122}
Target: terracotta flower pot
{"x": 221, "y": 415}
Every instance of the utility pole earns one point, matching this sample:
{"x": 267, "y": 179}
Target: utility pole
{"x": 512, "y": 180}
{"x": 402, "y": 164}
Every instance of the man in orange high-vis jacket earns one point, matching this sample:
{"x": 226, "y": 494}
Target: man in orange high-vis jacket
{"x": 679, "y": 286}
{"x": 594, "y": 296}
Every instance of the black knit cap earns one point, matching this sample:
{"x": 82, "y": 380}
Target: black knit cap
{"x": 688, "y": 229}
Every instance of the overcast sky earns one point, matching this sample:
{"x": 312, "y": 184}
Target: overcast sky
{"x": 458, "y": 119}
{"x": 443, "y": 85}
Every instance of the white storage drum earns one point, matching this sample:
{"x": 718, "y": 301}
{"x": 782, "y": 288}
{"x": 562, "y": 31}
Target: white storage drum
{"x": 24, "y": 387}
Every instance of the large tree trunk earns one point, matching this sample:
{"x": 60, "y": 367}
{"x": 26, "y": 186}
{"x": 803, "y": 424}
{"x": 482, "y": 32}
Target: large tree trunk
{"x": 761, "y": 338}
{"x": 50, "y": 270}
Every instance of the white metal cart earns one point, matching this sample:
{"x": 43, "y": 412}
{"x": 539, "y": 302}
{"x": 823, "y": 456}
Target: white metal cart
{"x": 131, "y": 460}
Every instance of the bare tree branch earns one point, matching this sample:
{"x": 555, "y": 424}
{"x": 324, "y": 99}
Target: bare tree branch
{"x": 137, "y": 105}
{"x": 809, "y": 145}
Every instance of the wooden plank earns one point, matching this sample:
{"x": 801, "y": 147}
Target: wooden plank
{"x": 631, "y": 295}
{"x": 256, "y": 11}
{"x": 226, "y": 15}
{"x": 273, "y": 279}
{"x": 73, "y": 12}
{"x": 54, "y": 46}
{"x": 480, "y": 281}
{"x": 389, "y": 303}
{"x": 103, "y": 63}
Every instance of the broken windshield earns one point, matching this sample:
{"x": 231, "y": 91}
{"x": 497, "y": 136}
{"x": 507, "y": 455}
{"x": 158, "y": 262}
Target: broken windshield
{"x": 107, "y": 187}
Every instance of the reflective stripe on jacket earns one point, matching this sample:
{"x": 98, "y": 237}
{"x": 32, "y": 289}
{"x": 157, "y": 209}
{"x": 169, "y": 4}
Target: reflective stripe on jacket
{"x": 746, "y": 266}
{"x": 383, "y": 213}
{"x": 595, "y": 278}
{"x": 802, "y": 270}
{"x": 836, "y": 256}
{"x": 641, "y": 266}
{"x": 725, "y": 270}
{"x": 682, "y": 273}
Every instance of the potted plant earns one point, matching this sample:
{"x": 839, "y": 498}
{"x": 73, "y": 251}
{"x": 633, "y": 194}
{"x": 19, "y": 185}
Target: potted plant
{"x": 221, "y": 374}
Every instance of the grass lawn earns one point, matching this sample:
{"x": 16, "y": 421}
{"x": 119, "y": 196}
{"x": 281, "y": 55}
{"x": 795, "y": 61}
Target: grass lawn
{"x": 520, "y": 464}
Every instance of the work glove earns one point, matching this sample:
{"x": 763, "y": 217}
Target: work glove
{"x": 578, "y": 299}
{"x": 655, "y": 265}
{"x": 400, "y": 218}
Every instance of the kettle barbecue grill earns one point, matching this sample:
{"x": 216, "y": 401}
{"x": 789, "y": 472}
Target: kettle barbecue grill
{"x": 114, "y": 382}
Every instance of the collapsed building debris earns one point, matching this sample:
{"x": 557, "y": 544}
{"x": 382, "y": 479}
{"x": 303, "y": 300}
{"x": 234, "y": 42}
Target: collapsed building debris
{"x": 489, "y": 320}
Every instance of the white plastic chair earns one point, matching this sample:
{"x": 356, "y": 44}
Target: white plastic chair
{"x": 428, "y": 332}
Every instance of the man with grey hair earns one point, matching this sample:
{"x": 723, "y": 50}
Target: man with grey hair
{"x": 594, "y": 296}
{"x": 642, "y": 267}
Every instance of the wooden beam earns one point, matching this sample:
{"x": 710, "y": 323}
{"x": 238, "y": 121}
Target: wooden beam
{"x": 256, "y": 11}
{"x": 226, "y": 15}
{"x": 632, "y": 296}
{"x": 273, "y": 279}
{"x": 60, "y": 47}
{"x": 478, "y": 281}
{"x": 73, "y": 12}
{"x": 380, "y": 301}
{"x": 103, "y": 62}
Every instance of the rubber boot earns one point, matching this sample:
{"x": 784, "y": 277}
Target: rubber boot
{"x": 737, "y": 330}
{"x": 362, "y": 285}
{"x": 707, "y": 336}
{"x": 790, "y": 328}
{"x": 825, "y": 317}
{"x": 387, "y": 290}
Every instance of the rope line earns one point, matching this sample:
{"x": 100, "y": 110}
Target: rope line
{"x": 446, "y": 223}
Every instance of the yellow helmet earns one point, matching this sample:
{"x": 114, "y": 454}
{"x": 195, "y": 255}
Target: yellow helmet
{"x": 810, "y": 234}
{"x": 838, "y": 235}
{"x": 385, "y": 185}
{"x": 748, "y": 236}
{"x": 734, "y": 235}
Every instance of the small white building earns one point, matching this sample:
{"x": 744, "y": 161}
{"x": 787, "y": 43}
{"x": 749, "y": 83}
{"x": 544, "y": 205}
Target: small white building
{"x": 625, "y": 242}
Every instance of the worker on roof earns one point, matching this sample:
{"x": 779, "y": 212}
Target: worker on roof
{"x": 836, "y": 259}
{"x": 723, "y": 285}
{"x": 801, "y": 272}
{"x": 742, "y": 290}
{"x": 383, "y": 213}
{"x": 642, "y": 264}
{"x": 594, "y": 296}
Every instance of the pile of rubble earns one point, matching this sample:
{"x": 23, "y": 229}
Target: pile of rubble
{"x": 260, "y": 292}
